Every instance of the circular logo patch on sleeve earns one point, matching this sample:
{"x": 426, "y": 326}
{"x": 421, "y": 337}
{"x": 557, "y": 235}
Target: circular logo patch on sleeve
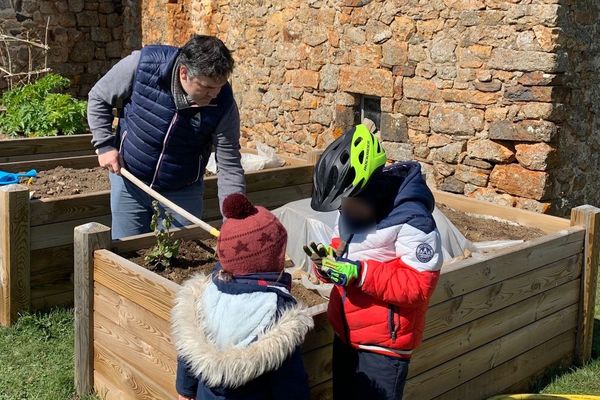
{"x": 424, "y": 253}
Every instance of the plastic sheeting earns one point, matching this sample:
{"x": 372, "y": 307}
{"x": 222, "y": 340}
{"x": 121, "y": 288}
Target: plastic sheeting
{"x": 304, "y": 225}
{"x": 266, "y": 158}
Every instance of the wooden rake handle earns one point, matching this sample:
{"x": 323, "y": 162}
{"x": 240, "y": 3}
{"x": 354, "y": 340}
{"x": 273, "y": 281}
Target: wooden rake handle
{"x": 166, "y": 202}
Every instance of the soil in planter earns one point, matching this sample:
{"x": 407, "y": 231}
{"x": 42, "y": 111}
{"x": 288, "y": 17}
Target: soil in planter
{"x": 478, "y": 229}
{"x": 197, "y": 256}
{"x": 61, "y": 182}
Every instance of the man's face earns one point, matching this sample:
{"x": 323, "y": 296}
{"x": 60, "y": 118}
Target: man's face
{"x": 200, "y": 89}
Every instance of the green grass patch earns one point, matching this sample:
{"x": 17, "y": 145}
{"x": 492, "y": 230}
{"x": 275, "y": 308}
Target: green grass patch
{"x": 36, "y": 358}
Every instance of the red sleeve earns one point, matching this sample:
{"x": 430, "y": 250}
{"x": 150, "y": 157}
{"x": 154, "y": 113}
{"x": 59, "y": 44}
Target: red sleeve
{"x": 397, "y": 283}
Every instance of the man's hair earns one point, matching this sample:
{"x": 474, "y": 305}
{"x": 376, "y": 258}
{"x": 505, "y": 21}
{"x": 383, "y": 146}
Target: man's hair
{"x": 207, "y": 56}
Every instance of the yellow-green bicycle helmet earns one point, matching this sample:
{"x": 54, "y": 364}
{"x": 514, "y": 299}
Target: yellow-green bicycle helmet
{"x": 345, "y": 167}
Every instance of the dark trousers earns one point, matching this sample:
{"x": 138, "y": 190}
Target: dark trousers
{"x": 363, "y": 375}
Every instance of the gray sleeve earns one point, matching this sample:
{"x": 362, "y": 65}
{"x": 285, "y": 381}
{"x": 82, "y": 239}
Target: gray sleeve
{"x": 111, "y": 89}
{"x": 230, "y": 174}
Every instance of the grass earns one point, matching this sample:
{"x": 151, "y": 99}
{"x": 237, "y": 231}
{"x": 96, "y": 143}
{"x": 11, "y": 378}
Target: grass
{"x": 36, "y": 358}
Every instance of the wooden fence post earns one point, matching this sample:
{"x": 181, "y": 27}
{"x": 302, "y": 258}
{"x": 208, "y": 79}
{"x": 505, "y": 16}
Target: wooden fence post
{"x": 87, "y": 239}
{"x": 15, "y": 290}
{"x": 589, "y": 218}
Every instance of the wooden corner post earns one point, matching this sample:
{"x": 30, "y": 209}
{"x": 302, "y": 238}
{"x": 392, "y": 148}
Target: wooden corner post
{"x": 87, "y": 239}
{"x": 15, "y": 290}
{"x": 589, "y": 218}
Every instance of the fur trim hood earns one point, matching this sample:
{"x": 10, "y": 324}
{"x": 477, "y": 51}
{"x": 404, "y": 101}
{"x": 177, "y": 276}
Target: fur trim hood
{"x": 234, "y": 366}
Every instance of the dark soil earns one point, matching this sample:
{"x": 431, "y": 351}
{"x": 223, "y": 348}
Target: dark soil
{"x": 61, "y": 182}
{"x": 478, "y": 229}
{"x": 197, "y": 257}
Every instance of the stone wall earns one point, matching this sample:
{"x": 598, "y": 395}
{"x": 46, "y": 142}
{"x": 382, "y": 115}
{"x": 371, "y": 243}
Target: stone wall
{"x": 85, "y": 37}
{"x": 498, "y": 99}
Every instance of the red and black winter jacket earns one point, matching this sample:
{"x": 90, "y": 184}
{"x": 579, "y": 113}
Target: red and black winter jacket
{"x": 384, "y": 311}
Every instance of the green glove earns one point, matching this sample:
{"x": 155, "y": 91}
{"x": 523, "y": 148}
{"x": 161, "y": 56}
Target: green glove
{"x": 341, "y": 271}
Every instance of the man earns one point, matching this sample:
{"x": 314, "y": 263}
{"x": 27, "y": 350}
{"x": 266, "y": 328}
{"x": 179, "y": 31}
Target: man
{"x": 177, "y": 105}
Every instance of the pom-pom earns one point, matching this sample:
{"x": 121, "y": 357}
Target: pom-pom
{"x": 238, "y": 206}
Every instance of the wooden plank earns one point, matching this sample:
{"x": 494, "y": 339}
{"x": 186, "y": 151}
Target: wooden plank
{"x": 463, "y": 339}
{"x": 460, "y": 310}
{"x": 143, "y": 287}
{"x": 62, "y": 272}
{"x": 270, "y": 199}
{"x": 502, "y": 377}
{"x": 467, "y": 275}
{"x": 77, "y": 162}
{"x": 453, "y": 373}
{"x": 323, "y": 391}
{"x": 31, "y": 157}
{"x": 46, "y": 145}
{"x": 313, "y": 156}
{"x": 546, "y": 223}
{"x": 108, "y": 390}
{"x": 318, "y": 365}
{"x": 60, "y": 233}
{"x": 160, "y": 368}
{"x": 588, "y": 217}
{"x": 271, "y": 178}
{"x": 532, "y": 381}
{"x": 87, "y": 239}
{"x": 51, "y": 289}
{"x": 58, "y": 299}
{"x": 44, "y": 260}
{"x": 132, "y": 382}
{"x": 68, "y": 208}
{"x": 14, "y": 252}
{"x": 133, "y": 318}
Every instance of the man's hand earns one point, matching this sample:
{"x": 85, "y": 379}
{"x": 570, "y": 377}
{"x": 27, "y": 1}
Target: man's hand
{"x": 341, "y": 271}
{"x": 185, "y": 398}
{"x": 110, "y": 160}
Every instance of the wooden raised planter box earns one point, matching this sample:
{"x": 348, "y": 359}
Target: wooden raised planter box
{"x": 36, "y": 236}
{"x": 494, "y": 324}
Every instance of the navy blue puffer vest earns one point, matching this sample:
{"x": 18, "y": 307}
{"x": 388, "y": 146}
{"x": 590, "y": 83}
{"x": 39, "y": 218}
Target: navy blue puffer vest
{"x": 165, "y": 148}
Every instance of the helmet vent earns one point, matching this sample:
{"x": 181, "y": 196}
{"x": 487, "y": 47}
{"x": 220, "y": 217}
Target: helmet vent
{"x": 358, "y": 140}
{"x": 344, "y": 157}
{"x": 361, "y": 157}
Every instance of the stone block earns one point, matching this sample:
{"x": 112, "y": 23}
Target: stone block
{"x": 456, "y": 120}
{"x": 398, "y": 151}
{"x": 538, "y": 156}
{"x": 303, "y": 78}
{"x": 394, "y": 127}
{"x": 365, "y": 80}
{"x": 472, "y": 175}
{"x": 526, "y": 131}
{"x": 489, "y": 150}
{"x": 520, "y": 181}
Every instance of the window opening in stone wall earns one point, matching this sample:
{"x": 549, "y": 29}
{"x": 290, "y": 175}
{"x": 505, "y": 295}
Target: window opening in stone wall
{"x": 173, "y": 1}
{"x": 370, "y": 107}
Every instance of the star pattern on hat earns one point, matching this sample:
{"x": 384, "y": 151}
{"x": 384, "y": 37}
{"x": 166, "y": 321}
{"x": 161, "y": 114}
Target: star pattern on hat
{"x": 240, "y": 246}
{"x": 265, "y": 238}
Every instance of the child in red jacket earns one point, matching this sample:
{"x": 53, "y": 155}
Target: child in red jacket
{"x": 384, "y": 259}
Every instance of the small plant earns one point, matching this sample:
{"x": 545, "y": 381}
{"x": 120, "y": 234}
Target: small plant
{"x": 166, "y": 248}
{"x": 40, "y": 109}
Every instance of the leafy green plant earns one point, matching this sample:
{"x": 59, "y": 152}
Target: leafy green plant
{"x": 40, "y": 109}
{"x": 166, "y": 248}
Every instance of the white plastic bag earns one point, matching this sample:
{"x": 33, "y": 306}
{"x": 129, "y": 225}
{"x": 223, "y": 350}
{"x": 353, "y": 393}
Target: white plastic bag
{"x": 266, "y": 158}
